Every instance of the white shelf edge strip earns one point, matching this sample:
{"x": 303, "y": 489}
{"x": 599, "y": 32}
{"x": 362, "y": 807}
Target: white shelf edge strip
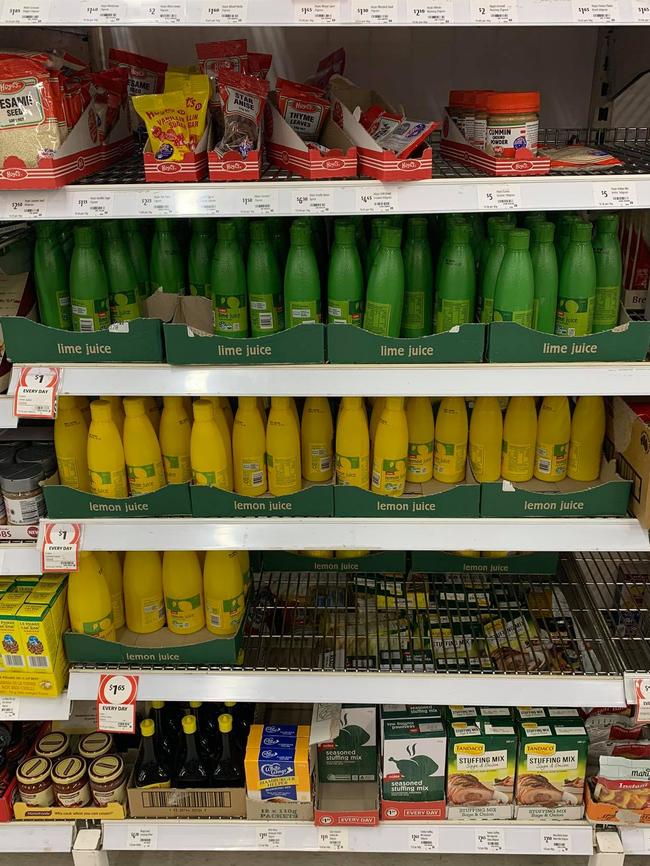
{"x": 636, "y": 840}
{"x": 7, "y": 417}
{"x": 35, "y": 709}
{"x": 18, "y": 837}
{"x": 339, "y": 380}
{"x": 19, "y": 559}
{"x": 361, "y": 686}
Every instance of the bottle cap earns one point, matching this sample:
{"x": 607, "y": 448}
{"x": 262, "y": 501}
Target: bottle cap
{"x": 492, "y": 224}
{"x": 377, "y": 225}
{"x": 581, "y": 231}
{"x": 301, "y": 233}
{"x": 518, "y": 239}
{"x": 84, "y": 236}
{"x": 189, "y": 724}
{"x": 147, "y": 727}
{"x": 607, "y": 223}
{"x": 47, "y": 230}
{"x": 351, "y": 402}
{"x": 258, "y": 230}
{"x": 203, "y": 225}
{"x": 534, "y": 216}
{"x": 391, "y": 236}
{"x": 543, "y": 232}
{"x": 196, "y": 704}
{"x": 157, "y": 705}
{"x": 133, "y": 406}
{"x": 500, "y": 232}
{"x": 459, "y": 232}
{"x": 230, "y": 703}
{"x": 203, "y": 410}
{"x": 247, "y": 402}
{"x": 344, "y": 233}
{"x": 226, "y": 231}
{"x": 417, "y": 227}
{"x": 225, "y": 723}
{"x": 100, "y": 410}
{"x": 42, "y": 454}
{"x": 279, "y": 402}
{"x": 163, "y": 224}
{"x": 112, "y": 228}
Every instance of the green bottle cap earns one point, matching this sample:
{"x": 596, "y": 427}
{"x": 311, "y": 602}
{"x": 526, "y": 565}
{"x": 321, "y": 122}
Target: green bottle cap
{"x": 417, "y": 227}
{"x": 581, "y": 231}
{"x": 344, "y": 233}
{"x": 566, "y": 220}
{"x": 47, "y": 230}
{"x": 535, "y": 216}
{"x": 203, "y": 225}
{"x": 377, "y": 225}
{"x": 258, "y": 231}
{"x": 518, "y": 239}
{"x": 163, "y": 224}
{"x": 492, "y": 224}
{"x": 226, "y": 231}
{"x": 301, "y": 233}
{"x": 84, "y": 236}
{"x": 391, "y": 236}
{"x": 500, "y": 232}
{"x": 459, "y": 232}
{"x": 543, "y": 232}
{"x": 132, "y": 225}
{"x": 112, "y": 229}
{"x": 607, "y": 223}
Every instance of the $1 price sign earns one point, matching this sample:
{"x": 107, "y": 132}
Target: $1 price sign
{"x": 116, "y": 699}
{"x": 36, "y": 392}
{"x": 60, "y": 550}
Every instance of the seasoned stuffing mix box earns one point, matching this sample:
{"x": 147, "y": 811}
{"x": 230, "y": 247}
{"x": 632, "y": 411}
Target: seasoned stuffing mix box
{"x": 413, "y": 756}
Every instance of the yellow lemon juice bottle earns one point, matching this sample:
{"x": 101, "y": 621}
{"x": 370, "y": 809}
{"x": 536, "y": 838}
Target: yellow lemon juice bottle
{"x": 71, "y": 444}
{"x": 226, "y": 408}
{"x": 117, "y": 412}
{"x": 450, "y": 448}
{"x": 84, "y": 404}
{"x": 245, "y": 563}
{"x": 144, "y": 464}
{"x": 175, "y": 434}
{"x": 375, "y": 415}
{"x": 587, "y": 435}
{"x": 183, "y": 588}
{"x": 153, "y": 412}
{"x": 89, "y": 599}
{"x": 317, "y": 434}
{"x": 223, "y": 586}
{"x": 105, "y": 454}
{"x": 390, "y": 449}
{"x": 485, "y": 439}
{"x": 249, "y": 449}
{"x": 208, "y": 453}
{"x": 352, "y": 444}
{"x": 519, "y": 436}
{"x": 553, "y": 435}
{"x": 283, "y": 448}
{"x": 143, "y": 591}
{"x": 419, "y": 418}
{"x": 225, "y": 430}
{"x": 112, "y": 567}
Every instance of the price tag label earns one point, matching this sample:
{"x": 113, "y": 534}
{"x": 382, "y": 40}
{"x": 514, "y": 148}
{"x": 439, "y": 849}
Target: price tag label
{"x": 555, "y": 842}
{"x": 9, "y": 709}
{"x": 377, "y": 12}
{"x": 497, "y": 12}
{"x": 424, "y": 840}
{"x": 142, "y": 838}
{"x": 60, "y": 551}
{"x": 205, "y": 202}
{"x": 26, "y": 206}
{"x": 317, "y": 201}
{"x": 597, "y": 12}
{"x": 93, "y": 12}
{"x": 32, "y": 12}
{"x": 225, "y": 12}
{"x": 615, "y": 194}
{"x": 270, "y": 838}
{"x": 490, "y": 840}
{"x": 36, "y": 392}
{"x": 332, "y": 839}
{"x": 116, "y": 699}
{"x": 156, "y": 203}
{"x": 642, "y": 698}
{"x": 317, "y": 12}
{"x": 430, "y": 11}
{"x": 259, "y": 203}
{"x": 86, "y": 203}
{"x": 642, "y": 15}
{"x": 501, "y": 197}
{"x": 174, "y": 12}
{"x": 377, "y": 201}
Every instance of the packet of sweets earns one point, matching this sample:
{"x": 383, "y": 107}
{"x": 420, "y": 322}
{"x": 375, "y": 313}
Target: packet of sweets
{"x": 243, "y": 98}
{"x": 165, "y": 117}
{"x": 196, "y": 89}
{"x": 305, "y": 108}
{"x": 259, "y": 65}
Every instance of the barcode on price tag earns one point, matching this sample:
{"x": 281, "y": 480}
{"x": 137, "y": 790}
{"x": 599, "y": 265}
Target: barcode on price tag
{"x": 490, "y": 840}
{"x": 225, "y": 12}
{"x": 26, "y": 206}
{"x": 116, "y": 699}
{"x": 60, "y": 550}
{"x": 174, "y": 12}
{"x": 9, "y": 709}
{"x": 317, "y": 201}
{"x": 555, "y": 842}
{"x": 142, "y": 838}
{"x": 424, "y": 840}
{"x": 430, "y": 11}
{"x": 156, "y": 204}
{"x": 259, "y": 203}
{"x": 642, "y": 15}
{"x": 317, "y": 12}
{"x": 596, "y": 12}
{"x": 32, "y": 12}
{"x": 501, "y": 197}
{"x": 333, "y": 839}
{"x": 497, "y": 12}
{"x": 207, "y": 202}
{"x": 36, "y": 392}
{"x": 379, "y": 201}
{"x": 86, "y": 203}
{"x": 615, "y": 194}
{"x": 270, "y": 838}
{"x": 374, "y": 11}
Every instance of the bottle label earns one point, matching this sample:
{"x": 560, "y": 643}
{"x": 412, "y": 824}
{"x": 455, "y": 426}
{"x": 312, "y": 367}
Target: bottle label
{"x": 253, "y": 472}
{"x": 184, "y": 614}
{"x": 283, "y": 472}
{"x": 551, "y": 460}
{"x": 584, "y": 460}
{"x": 117, "y": 605}
{"x": 377, "y": 318}
{"x": 211, "y": 479}
{"x": 606, "y": 308}
{"x": 420, "y": 458}
{"x": 517, "y": 461}
{"x": 320, "y": 458}
{"x": 100, "y": 627}
{"x": 153, "y": 787}
{"x": 344, "y": 312}
{"x": 145, "y": 478}
{"x": 74, "y": 798}
{"x": 451, "y": 313}
{"x": 177, "y": 468}
{"x": 69, "y": 472}
{"x": 304, "y": 312}
{"x": 389, "y": 476}
{"x": 124, "y": 306}
{"x": 574, "y": 317}
{"x": 111, "y": 485}
{"x": 487, "y": 310}
{"x": 352, "y": 471}
{"x": 200, "y": 290}
{"x": 506, "y": 139}
{"x": 413, "y": 312}
{"x": 449, "y": 459}
{"x": 230, "y": 315}
{"x": 264, "y": 317}
{"x": 22, "y": 512}
{"x": 225, "y": 614}
{"x": 521, "y": 317}
{"x": 152, "y": 611}
{"x": 89, "y": 316}
{"x": 65, "y": 314}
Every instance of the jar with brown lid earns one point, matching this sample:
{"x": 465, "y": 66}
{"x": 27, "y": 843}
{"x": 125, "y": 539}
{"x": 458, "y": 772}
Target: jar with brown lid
{"x": 108, "y": 780}
{"x": 54, "y": 745}
{"x": 34, "y": 777}
{"x": 70, "y": 779}
{"x": 95, "y": 745}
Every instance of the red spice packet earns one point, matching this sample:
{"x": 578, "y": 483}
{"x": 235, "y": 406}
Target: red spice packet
{"x": 243, "y": 98}
{"x": 305, "y": 108}
{"x": 333, "y": 64}
{"x": 146, "y": 76}
{"x": 213, "y": 56}
{"x": 259, "y": 65}
{"x": 378, "y": 122}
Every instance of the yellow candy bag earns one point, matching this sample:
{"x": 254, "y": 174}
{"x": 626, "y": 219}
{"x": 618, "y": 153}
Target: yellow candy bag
{"x": 196, "y": 90}
{"x": 165, "y": 117}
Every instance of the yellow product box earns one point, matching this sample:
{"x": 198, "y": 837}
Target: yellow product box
{"x": 51, "y": 580}
{"x": 279, "y": 773}
{"x": 28, "y": 580}
{"x": 272, "y": 735}
{"x": 6, "y": 583}
{"x": 42, "y": 595}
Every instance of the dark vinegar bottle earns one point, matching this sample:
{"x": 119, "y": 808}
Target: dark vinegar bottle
{"x": 193, "y": 771}
{"x": 229, "y": 769}
{"x": 150, "y": 771}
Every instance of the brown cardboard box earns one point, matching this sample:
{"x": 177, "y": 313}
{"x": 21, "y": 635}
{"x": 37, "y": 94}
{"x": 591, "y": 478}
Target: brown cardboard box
{"x": 630, "y": 438}
{"x": 187, "y": 803}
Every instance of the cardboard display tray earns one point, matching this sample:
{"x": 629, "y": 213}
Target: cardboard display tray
{"x": 347, "y": 344}
{"x": 173, "y": 500}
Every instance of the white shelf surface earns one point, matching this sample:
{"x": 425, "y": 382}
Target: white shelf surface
{"x": 286, "y": 198}
{"x": 340, "y": 380}
{"x": 7, "y": 417}
{"x": 636, "y": 840}
{"x": 19, "y": 559}
{"x": 18, "y": 837}
{"x": 34, "y": 709}
{"x": 446, "y": 837}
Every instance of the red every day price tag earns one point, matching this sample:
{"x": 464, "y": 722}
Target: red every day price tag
{"x": 116, "y": 699}
{"x": 642, "y": 698}
{"x": 36, "y": 392}
{"x": 60, "y": 548}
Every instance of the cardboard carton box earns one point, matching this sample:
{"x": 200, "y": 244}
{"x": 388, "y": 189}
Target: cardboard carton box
{"x": 351, "y": 754}
{"x": 413, "y": 758}
{"x": 630, "y": 438}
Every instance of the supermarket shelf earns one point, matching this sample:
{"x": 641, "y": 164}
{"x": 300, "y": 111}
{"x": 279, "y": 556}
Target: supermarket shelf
{"x": 636, "y": 840}
{"x": 339, "y": 380}
{"x": 7, "y": 417}
{"x": 438, "y": 837}
{"x": 19, "y": 559}
{"x": 34, "y": 709}
{"x": 18, "y": 837}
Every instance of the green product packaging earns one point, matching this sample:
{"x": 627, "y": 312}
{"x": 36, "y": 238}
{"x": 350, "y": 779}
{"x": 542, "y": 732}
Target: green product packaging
{"x": 377, "y": 225}
{"x": 498, "y": 232}
{"x": 385, "y": 294}
{"x": 166, "y": 268}
{"x": 455, "y": 279}
{"x": 88, "y": 283}
{"x": 200, "y": 258}
{"x": 345, "y": 277}
{"x": 607, "y": 252}
{"x": 264, "y": 283}
{"x": 514, "y": 291}
{"x": 51, "y": 277}
{"x": 577, "y": 292}
{"x": 563, "y": 235}
{"x": 545, "y": 275}
{"x": 477, "y": 235}
{"x": 532, "y": 217}
{"x": 417, "y": 313}
{"x": 352, "y": 755}
{"x": 136, "y": 244}
{"x": 228, "y": 284}
{"x": 302, "y": 298}
{"x": 319, "y": 246}
{"x": 484, "y": 252}
{"x": 123, "y": 292}
{"x": 66, "y": 239}
{"x": 413, "y": 758}
{"x": 279, "y": 236}
{"x": 243, "y": 234}
{"x": 361, "y": 241}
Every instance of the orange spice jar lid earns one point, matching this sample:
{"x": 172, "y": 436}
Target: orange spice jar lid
{"x": 522, "y": 102}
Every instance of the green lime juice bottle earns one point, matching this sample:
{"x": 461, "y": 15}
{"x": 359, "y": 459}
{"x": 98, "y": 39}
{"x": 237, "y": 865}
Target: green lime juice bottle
{"x": 417, "y": 314}
{"x": 377, "y": 225}
{"x": 577, "y": 292}
{"x": 499, "y": 233}
{"x": 243, "y": 234}
{"x": 123, "y": 299}
{"x": 166, "y": 268}
{"x": 279, "y": 235}
{"x": 386, "y": 283}
{"x": 455, "y": 279}
{"x": 136, "y": 244}
{"x": 514, "y": 292}
{"x": 486, "y": 246}
{"x": 264, "y": 282}
{"x": 361, "y": 242}
{"x": 609, "y": 272}
{"x": 345, "y": 277}
{"x": 563, "y": 235}
{"x": 88, "y": 283}
{"x": 51, "y": 277}
{"x": 545, "y": 274}
{"x": 200, "y": 257}
{"x": 228, "y": 283}
{"x": 302, "y": 298}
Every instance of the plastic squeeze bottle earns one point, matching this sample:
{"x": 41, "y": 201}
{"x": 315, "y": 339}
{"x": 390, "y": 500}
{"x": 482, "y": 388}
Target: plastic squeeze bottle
{"x": 587, "y": 436}
{"x": 174, "y": 435}
{"x": 553, "y": 435}
{"x": 498, "y": 232}
{"x": 345, "y": 277}
{"x": 226, "y": 408}
{"x": 316, "y": 437}
{"x": 514, "y": 291}
{"x": 283, "y": 448}
{"x": 607, "y": 252}
{"x": 249, "y": 449}
{"x": 352, "y": 444}
{"x": 89, "y": 601}
{"x": 166, "y": 268}
{"x": 385, "y": 295}
{"x": 223, "y": 587}
{"x": 245, "y": 563}
{"x": 485, "y": 437}
{"x": 112, "y": 567}
{"x": 390, "y": 452}
{"x": 144, "y": 599}
{"x": 117, "y": 411}
{"x": 577, "y": 292}
{"x": 450, "y": 445}
{"x": 417, "y": 314}
{"x": 208, "y": 454}
{"x": 265, "y": 298}
{"x": 71, "y": 444}
{"x": 377, "y": 225}
{"x": 228, "y": 284}
{"x": 545, "y": 276}
{"x": 225, "y": 430}
{"x": 301, "y": 278}
{"x": 88, "y": 283}
{"x": 123, "y": 297}
{"x": 519, "y": 437}
{"x": 419, "y": 418}
{"x": 137, "y": 249}
{"x": 183, "y": 589}
{"x": 199, "y": 263}
{"x": 279, "y": 237}
{"x": 152, "y": 409}
{"x": 144, "y": 466}
{"x": 563, "y": 235}
{"x": 51, "y": 277}
{"x": 455, "y": 279}
{"x": 105, "y": 454}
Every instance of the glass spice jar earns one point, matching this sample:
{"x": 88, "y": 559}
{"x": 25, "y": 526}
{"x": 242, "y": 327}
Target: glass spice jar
{"x": 70, "y": 779}
{"x": 95, "y": 745}
{"x": 34, "y": 779}
{"x": 22, "y": 493}
{"x": 108, "y": 780}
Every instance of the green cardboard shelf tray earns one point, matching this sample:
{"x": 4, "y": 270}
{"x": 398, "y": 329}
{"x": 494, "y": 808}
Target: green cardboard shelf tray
{"x": 440, "y": 562}
{"x": 347, "y": 344}
{"x": 437, "y": 500}
{"x": 316, "y": 500}
{"x": 383, "y": 561}
{"x": 173, "y": 500}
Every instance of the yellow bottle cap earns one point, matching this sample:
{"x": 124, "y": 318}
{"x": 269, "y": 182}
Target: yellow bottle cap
{"x": 133, "y": 406}
{"x": 189, "y": 724}
{"x": 230, "y": 703}
{"x": 203, "y": 410}
{"x": 196, "y": 704}
{"x": 100, "y": 410}
{"x": 225, "y": 723}
{"x": 147, "y": 727}
{"x": 157, "y": 705}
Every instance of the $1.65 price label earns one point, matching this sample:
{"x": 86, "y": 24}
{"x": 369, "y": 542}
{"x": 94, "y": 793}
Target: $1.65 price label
{"x": 116, "y": 699}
